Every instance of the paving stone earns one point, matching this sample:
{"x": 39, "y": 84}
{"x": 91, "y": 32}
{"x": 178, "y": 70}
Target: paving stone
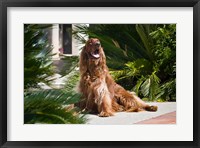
{"x": 169, "y": 118}
{"x": 128, "y": 118}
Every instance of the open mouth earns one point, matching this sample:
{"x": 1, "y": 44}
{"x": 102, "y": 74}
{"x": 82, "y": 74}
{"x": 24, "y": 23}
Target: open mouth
{"x": 95, "y": 54}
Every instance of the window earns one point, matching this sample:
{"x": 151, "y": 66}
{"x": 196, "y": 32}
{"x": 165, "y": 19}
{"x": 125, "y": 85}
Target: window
{"x": 65, "y": 37}
{"x": 63, "y": 42}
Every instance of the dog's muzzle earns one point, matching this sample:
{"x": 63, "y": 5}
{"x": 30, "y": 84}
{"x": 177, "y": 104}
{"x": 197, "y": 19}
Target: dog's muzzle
{"x": 95, "y": 54}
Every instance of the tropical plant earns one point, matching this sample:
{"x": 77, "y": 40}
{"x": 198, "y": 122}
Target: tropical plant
{"x": 140, "y": 57}
{"x": 165, "y": 52}
{"x": 37, "y": 55}
{"x": 52, "y": 106}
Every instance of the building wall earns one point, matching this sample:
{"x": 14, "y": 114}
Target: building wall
{"x": 58, "y": 40}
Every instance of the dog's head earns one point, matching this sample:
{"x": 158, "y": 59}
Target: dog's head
{"x": 92, "y": 53}
{"x": 93, "y": 48}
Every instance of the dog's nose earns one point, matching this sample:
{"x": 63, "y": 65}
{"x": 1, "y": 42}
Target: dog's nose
{"x": 97, "y": 43}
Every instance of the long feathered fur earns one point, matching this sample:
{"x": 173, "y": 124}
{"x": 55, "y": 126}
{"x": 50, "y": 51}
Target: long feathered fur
{"x": 100, "y": 93}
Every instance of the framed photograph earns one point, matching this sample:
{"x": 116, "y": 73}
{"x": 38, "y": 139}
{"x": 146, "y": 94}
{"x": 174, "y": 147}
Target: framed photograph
{"x": 86, "y": 73}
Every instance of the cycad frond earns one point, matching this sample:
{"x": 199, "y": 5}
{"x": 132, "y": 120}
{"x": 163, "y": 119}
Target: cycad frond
{"x": 49, "y": 106}
{"x": 72, "y": 80}
{"x": 37, "y": 55}
{"x": 45, "y": 106}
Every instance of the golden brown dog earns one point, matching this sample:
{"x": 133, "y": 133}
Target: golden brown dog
{"x": 100, "y": 93}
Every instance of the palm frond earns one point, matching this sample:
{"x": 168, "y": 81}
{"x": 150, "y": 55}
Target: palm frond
{"x": 168, "y": 90}
{"x": 144, "y": 31}
{"x": 141, "y": 56}
{"x": 72, "y": 80}
{"x": 150, "y": 87}
{"x": 37, "y": 55}
{"x": 46, "y": 106}
{"x": 49, "y": 106}
{"x": 137, "y": 87}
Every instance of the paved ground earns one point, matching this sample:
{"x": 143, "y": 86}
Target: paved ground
{"x": 162, "y": 116}
{"x": 169, "y": 118}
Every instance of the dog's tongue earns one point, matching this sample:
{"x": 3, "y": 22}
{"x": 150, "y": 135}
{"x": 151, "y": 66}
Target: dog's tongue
{"x": 96, "y": 55}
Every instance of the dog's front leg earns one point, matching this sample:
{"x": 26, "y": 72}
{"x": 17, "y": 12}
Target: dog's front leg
{"x": 105, "y": 108}
{"x": 103, "y": 100}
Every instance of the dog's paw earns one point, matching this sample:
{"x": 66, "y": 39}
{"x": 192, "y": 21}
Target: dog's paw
{"x": 151, "y": 108}
{"x": 105, "y": 114}
{"x": 121, "y": 108}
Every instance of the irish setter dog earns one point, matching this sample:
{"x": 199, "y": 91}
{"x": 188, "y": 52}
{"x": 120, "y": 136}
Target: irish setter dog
{"x": 100, "y": 93}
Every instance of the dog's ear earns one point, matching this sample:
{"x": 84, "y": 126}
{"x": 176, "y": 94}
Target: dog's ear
{"x": 103, "y": 58}
{"x": 83, "y": 61}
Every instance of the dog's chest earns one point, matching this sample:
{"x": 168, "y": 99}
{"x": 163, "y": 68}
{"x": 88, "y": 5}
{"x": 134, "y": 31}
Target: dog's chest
{"x": 94, "y": 78}
{"x": 96, "y": 72}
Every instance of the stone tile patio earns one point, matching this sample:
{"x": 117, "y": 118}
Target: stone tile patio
{"x": 166, "y": 114}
